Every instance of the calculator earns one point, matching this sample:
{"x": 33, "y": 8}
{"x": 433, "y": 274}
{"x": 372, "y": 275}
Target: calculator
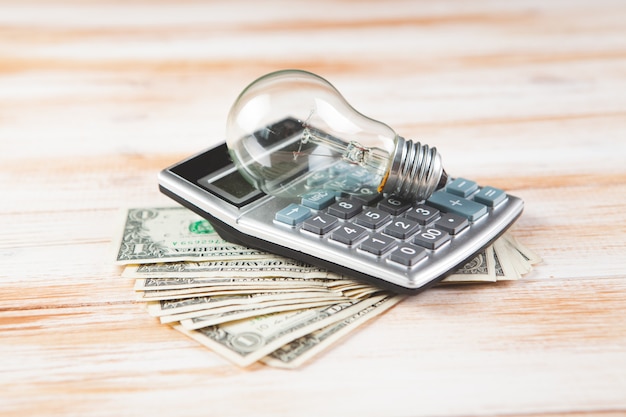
{"x": 403, "y": 246}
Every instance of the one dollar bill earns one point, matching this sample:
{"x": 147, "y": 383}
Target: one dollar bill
{"x": 166, "y": 234}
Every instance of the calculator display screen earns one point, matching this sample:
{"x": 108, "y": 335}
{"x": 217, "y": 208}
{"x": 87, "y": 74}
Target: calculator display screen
{"x": 231, "y": 186}
{"x": 234, "y": 185}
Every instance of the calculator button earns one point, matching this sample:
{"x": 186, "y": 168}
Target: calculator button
{"x": 345, "y": 209}
{"x": 407, "y": 254}
{"x": 455, "y": 204}
{"x": 343, "y": 184}
{"x": 340, "y": 168}
{"x": 462, "y": 187}
{"x": 320, "y": 224}
{"x": 372, "y": 218}
{"x": 368, "y": 196}
{"x": 422, "y": 214}
{"x": 378, "y": 244}
{"x": 348, "y": 234}
{"x": 402, "y": 228}
{"x": 452, "y": 223}
{"x": 431, "y": 238}
{"x": 360, "y": 175}
{"x": 490, "y": 196}
{"x": 293, "y": 214}
{"x": 393, "y": 205}
{"x": 318, "y": 199}
{"x": 318, "y": 179}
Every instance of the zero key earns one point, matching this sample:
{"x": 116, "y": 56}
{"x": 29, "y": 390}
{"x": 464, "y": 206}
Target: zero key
{"x": 454, "y": 204}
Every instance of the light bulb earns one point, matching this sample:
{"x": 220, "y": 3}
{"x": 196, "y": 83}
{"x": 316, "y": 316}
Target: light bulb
{"x": 291, "y": 130}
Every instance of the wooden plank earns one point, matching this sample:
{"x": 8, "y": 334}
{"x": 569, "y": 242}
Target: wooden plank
{"x": 96, "y": 97}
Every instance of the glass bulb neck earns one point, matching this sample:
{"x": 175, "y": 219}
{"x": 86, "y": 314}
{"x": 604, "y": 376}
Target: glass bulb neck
{"x": 416, "y": 171}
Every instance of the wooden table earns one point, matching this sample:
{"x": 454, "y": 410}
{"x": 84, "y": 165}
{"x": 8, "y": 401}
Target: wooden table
{"x": 96, "y": 97}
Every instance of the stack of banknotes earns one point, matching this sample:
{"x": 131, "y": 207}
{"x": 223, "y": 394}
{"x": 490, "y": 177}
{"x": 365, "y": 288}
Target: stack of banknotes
{"x": 251, "y": 306}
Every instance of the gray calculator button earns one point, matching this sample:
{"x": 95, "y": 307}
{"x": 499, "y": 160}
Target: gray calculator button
{"x": 348, "y": 234}
{"x": 490, "y": 196}
{"x": 462, "y": 187}
{"x": 372, "y": 218}
{"x": 431, "y": 238}
{"x": 345, "y": 209}
{"x": 378, "y": 244}
{"x": 455, "y": 204}
{"x": 393, "y": 205}
{"x": 318, "y": 199}
{"x": 452, "y": 223}
{"x": 402, "y": 228}
{"x": 422, "y": 214}
{"x": 293, "y": 214}
{"x": 320, "y": 223}
{"x": 407, "y": 254}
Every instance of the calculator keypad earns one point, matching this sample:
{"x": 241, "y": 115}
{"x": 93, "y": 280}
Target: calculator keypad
{"x": 387, "y": 227}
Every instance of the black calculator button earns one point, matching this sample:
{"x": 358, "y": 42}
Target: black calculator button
{"x": 368, "y": 196}
{"x": 348, "y": 234}
{"x": 402, "y": 228}
{"x": 345, "y": 209}
{"x": 394, "y": 205}
{"x": 407, "y": 254}
{"x": 452, "y": 223}
{"x": 423, "y": 214}
{"x": 320, "y": 223}
{"x": 372, "y": 218}
{"x": 378, "y": 244}
{"x": 431, "y": 238}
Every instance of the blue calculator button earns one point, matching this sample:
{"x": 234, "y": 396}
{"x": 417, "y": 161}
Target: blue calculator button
{"x": 462, "y": 187}
{"x": 293, "y": 214}
{"x": 490, "y": 196}
{"x": 318, "y": 199}
{"x": 318, "y": 178}
{"x": 454, "y": 204}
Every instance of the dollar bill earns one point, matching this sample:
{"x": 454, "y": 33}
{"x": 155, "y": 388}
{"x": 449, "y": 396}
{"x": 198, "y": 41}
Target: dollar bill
{"x": 268, "y": 266}
{"x": 213, "y": 291}
{"x": 529, "y": 255}
{"x": 505, "y": 268}
{"x": 151, "y": 235}
{"x": 147, "y": 284}
{"x": 214, "y": 318}
{"x": 244, "y": 342}
{"x": 297, "y": 352}
{"x": 481, "y": 268}
{"x": 286, "y": 304}
{"x": 185, "y": 305}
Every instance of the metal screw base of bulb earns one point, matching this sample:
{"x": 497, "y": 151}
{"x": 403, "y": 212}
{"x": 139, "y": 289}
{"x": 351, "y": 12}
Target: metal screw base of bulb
{"x": 416, "y": 171}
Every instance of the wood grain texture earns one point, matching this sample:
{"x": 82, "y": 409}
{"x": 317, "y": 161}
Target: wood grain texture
{"x": 97, "y": 96}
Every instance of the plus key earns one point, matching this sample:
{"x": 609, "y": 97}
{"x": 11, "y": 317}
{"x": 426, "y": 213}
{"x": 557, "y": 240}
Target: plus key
{"x": 454, "y": 204}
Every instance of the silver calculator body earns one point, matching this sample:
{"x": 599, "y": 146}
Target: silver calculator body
{"x": 400, "y": 246}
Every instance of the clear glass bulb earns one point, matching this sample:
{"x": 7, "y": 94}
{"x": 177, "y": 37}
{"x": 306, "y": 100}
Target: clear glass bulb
{"x": 291, "y": 130}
